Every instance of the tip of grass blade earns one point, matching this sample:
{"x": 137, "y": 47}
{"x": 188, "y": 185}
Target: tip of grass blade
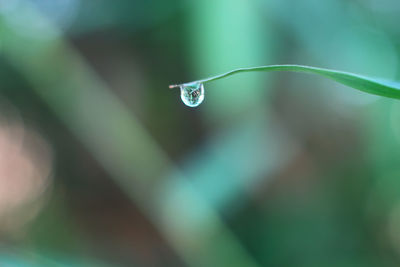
{"x": 173, "y": 86}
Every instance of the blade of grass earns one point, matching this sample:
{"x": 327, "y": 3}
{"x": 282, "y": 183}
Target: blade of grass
{"x": 369, "y": 85}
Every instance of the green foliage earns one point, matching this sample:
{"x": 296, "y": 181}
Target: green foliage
{"x": 362, "y": 83}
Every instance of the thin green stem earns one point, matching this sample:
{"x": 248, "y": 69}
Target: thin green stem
{"x": 295, "y": 68}
{"x": 362, "y": 83}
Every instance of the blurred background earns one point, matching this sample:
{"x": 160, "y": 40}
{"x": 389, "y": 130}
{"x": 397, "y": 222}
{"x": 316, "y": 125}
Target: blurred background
{"x": 102, "y": 165}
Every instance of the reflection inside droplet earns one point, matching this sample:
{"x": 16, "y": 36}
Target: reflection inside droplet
{"x": 192, "y": 94}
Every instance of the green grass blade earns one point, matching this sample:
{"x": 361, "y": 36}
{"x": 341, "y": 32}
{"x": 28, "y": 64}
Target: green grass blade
{"x": 369, "y": 85}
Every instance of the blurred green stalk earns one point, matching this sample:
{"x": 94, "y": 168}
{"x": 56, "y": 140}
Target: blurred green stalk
{"x": 117, "y": 140}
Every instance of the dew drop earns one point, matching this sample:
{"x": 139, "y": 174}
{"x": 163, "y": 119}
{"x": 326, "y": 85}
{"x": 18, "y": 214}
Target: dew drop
{"x": 192, "y": 94}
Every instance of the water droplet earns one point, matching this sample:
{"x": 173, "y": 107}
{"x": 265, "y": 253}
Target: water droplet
{"x": 192, "y": 94}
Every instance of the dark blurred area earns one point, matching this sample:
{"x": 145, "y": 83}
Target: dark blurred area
{"x": 102, "y": 165}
